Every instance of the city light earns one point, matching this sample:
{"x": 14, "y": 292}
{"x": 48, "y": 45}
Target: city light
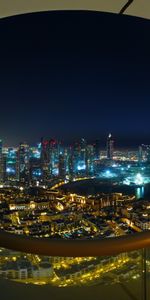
{"x": 10, "y": 170}
{"x": 114, "y": 165}
{"x": 108, "y": 172}
{"x": 139, "y": 180}
{"x": 126, "y": 181}
{"x": 81, "y": 166}
{"x": 37, "y": 172}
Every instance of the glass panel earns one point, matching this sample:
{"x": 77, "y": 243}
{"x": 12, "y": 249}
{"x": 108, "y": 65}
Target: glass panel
{"x": 115, "y": 277}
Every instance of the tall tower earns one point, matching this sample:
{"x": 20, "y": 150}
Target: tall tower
{"x": 23, "y": 162}
{"x": 71, "y": 161}
{"x": 144, "y": 153}
{"x": 96, "y": 146}
{"x": 83, "y": 146}
{"x": 110, "y": 147}
{"x": 45, "y": 159}
{"x": 1, "y": 162}
{"x": 53, "y": 155}
{"x": 11, "y": 165}
{"x": 76, "y": 156}
{"x": 140, "y": 155}
{"x": 62, "y": 168}
{"x": 90, "y": 155}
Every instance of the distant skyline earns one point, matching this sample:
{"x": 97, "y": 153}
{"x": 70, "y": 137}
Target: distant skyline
{"x": 68, "y": 75}
{"x": 119, "y": 143}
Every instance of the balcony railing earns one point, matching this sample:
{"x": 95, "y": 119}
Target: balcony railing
{"x": 131, "y": 7}
{"x": 114, "y": 268}
{"x": 60, "y": 247}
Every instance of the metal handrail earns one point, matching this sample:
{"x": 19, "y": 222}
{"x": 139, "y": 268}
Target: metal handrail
{"x": 75, "y": 248}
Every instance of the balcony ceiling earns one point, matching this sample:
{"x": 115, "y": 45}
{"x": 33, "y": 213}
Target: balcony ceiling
{"x": 140, "y": 8}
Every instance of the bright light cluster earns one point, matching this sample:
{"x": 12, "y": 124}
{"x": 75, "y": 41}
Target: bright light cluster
{"x": 139, "y": 180}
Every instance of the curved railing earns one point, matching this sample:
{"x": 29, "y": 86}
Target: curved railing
{"x": 131, "y": 7}
{"x": 74, "y": 248}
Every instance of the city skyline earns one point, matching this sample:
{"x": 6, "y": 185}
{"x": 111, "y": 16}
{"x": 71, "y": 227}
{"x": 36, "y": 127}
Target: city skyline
{"x": 118, "y": 142}
{"x": 86, "y": 79}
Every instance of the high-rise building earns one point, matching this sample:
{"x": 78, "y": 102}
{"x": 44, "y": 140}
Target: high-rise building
{"x": 62, "y": 167}
{"x": 83, "y": 144}
{"x": 4, "y": 159}
{"x": 23, "y": 162}
{"x": 35, "y": 170}
{"x": 54, "y": 150}
{"x": 70, "y": 162}
{"x": 35, "y": 152}
{"x": 1, "y": 161}
{"x": 110, "y": 147}
{"x": 12, "y": 165}
{"x": 76, "y": 156}
{"x": 144, "y": 153}
{"x": 45, "y": 159}
{"x": 140, "y": 155}
{"x": 96, "y": 147}
{"x": 90, "y": 160}
{"x": 81, "y": 157}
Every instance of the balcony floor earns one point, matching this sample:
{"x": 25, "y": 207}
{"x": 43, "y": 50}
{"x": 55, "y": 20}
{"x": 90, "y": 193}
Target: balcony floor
{"x": 13, "y": 290}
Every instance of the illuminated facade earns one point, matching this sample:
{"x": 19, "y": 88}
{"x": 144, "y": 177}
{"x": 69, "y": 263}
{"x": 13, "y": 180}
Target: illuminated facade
{"x": 45, "y": 159}
{"x": 144, "y": 153}
{"x": 62, "y": 166}
{"x": 11, "y": 165}
{"x": 1, "y": 162}
{"x": 23, "y": 156}
{"x": 96, "y": 149}
{"x": 52, "y": 160}
{"x": 90, "y": 160}
{"x": 110, "y": 147}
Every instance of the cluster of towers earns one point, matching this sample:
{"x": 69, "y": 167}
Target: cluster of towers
{"x": 50, "y": 159}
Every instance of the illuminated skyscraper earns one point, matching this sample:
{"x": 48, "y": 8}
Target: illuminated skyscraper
{"x": 4, "y": 159}
{"x": 1, "y": 162}
{"x": 144, "y": 153}
{"x": 76, "y": 156}
{"x": 83, "y": 145}
{"x": 90, "y": 160}
{"x": 110, "y": 147}
{"x": 45, "y": 159}
{"x": 62, "y": 168}
{"x": 70, "y": 162}
{"x": 35, "y": 170}
{"x": 54, "y": 150}
{"x": 80, "y": 157}
{"x": 96, "y": 149}
{"x": 23, "y": 162}
{"x": 11, "y": 165}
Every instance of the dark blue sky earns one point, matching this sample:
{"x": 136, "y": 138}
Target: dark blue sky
{"x": 71, "y": 74}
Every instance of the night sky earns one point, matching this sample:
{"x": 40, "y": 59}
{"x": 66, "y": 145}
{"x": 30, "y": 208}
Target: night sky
{"x": 66, "y": 75}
